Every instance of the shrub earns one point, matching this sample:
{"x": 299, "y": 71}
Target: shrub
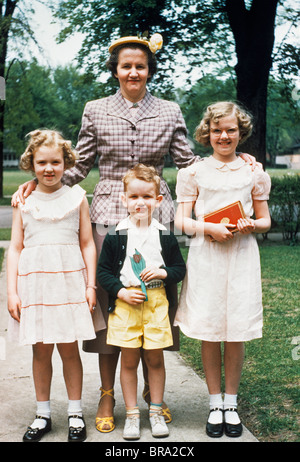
{"x": 284, "y": 205}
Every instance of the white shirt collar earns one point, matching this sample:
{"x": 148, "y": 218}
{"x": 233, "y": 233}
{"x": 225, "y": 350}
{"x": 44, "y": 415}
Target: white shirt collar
{"x": 234, "y": 165}
{"x": 126, "y": 223}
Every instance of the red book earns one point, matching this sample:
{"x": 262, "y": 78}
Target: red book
{"x": 227, "y": 215}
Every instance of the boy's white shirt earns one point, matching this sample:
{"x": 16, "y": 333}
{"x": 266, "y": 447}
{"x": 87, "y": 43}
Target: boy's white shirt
{"x": 146, "y": 241}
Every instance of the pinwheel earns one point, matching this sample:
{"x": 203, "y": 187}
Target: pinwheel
{"x": 138, "y": 264}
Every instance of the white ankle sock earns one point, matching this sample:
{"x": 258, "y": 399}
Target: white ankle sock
{"x": 230, "y": 401}
{"x": 215, "y": 401}
{"x": 231, "y": 417}
{"x": 74, "y": 408}
{"x": 43, "y": 410}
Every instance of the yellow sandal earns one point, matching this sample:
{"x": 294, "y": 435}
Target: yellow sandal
{"x": 109, "y": 421}
{"x": 167, "y": 415}
{"x": 165, "y": 411}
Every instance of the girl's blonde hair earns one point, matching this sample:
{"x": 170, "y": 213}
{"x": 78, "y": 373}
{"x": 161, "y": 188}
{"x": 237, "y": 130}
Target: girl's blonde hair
{"x": 217, "y": 111}
{"x": 47, "y": 137}
{"x": 144, "y": 173}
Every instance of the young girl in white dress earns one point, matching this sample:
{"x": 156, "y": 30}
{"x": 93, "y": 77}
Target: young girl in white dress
{"x": 221, "y": 297}
{"x": 51, "y": 271}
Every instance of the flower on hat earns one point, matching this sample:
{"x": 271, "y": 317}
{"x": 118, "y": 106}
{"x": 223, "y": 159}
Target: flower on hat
{"x": 155, "y": 42}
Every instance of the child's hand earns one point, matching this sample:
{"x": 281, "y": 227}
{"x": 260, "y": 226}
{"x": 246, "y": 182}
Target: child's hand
{"x": 132, "y": 296}
{"x": 246, "y": 225}
{"x": 152, "y": 272}
{"x": 220, "y": 232}
{"x": 14, "y": 306}
{"x": 91, "y": 298}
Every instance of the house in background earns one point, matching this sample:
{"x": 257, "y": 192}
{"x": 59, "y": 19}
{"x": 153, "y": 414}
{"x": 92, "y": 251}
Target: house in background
{"x": 290, "y": 160}
{"x": 10, "y": 160}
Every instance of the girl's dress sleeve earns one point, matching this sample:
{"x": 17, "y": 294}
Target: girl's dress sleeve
{"x": 186, "y": 186}
{"x": 262, "y": 185}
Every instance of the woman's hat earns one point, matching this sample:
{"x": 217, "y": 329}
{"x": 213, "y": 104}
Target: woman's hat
{"x": 154, "y": 43}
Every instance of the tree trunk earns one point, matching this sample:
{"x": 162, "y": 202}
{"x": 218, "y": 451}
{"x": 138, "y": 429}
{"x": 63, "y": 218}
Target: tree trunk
{"x": 5, "y": 24}
{"x": 253, "y": 31}
{"x": 2, "y": 107}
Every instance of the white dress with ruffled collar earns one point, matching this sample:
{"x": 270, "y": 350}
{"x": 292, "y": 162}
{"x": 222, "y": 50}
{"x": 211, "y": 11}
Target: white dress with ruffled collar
{"x": 221, "y": 297}
{"x": 51, "y": 271}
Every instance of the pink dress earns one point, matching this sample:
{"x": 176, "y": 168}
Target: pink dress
{"x": 51, "y": 271}
{"x": 221, "y": 297}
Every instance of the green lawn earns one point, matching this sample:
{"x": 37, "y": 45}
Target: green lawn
{"x": 13, "y": 178}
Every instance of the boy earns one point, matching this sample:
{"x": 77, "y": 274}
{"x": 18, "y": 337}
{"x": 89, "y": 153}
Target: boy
{"x": 138, "y": 261}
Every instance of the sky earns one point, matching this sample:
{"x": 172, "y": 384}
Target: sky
{"x": 54, "y": 54}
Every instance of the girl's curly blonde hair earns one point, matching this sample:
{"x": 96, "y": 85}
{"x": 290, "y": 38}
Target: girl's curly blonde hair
{"x": 47, "y": 137}
{"x": 217, "y": 111}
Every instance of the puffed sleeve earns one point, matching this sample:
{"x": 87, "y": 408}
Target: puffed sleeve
{"x": 262, "y": 185}
{"x": 186, "y": 186}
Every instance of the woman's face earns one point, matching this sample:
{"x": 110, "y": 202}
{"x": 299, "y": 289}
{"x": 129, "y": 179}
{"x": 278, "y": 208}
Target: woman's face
{"x": 132, "y": 73}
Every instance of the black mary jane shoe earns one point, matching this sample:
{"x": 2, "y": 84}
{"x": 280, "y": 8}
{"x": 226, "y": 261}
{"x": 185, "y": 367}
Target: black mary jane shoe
{"x": 233, "y": 430}
{"x": 215, "y": 430}
{"x": 77, "y": 434}
{"x": 35, "y": 434}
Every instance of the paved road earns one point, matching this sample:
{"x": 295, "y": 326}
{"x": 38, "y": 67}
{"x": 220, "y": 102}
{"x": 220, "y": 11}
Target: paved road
{"x": 5, "y": 216}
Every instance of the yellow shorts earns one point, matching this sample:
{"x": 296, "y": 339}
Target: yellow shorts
{"x": 145, "y": 325}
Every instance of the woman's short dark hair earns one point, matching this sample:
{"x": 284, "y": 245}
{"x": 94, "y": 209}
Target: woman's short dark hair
{"x": 113, "y": 60}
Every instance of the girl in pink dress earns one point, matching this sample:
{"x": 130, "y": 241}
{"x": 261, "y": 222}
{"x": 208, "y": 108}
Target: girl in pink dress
{"x": 221, "y": 298}
{"x": 51, "y": 271}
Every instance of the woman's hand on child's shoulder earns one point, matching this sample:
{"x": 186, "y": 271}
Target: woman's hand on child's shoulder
{"x": 23, "y": 191}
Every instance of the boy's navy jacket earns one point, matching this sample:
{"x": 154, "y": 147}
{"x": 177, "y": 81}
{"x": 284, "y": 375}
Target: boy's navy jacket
{"x": 112, "y": 258}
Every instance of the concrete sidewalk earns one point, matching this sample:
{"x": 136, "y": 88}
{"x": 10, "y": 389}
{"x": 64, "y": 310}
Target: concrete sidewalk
{"x": 186, "y": 395}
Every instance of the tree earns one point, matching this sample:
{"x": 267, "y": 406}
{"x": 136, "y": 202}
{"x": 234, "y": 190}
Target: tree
{"x": 253, "y": 31}
{"x": 13, "y": 23}
{"x": 41, "y": 97}
{"x": 201, "y": 32}
{"x": 283, "y": 119}
{"x": 7, "y": 10}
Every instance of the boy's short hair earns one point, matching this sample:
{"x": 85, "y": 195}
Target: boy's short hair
{"x": 45, "y": 137}
{"x": 217, "y": 111}
{"x": 144, "y": 173}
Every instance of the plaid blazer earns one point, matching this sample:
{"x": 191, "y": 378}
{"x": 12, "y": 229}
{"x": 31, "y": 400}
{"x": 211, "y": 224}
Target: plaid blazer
{"x": 120, "y": 141}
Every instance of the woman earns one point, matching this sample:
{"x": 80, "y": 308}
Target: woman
{"x": 124, "y": 129}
